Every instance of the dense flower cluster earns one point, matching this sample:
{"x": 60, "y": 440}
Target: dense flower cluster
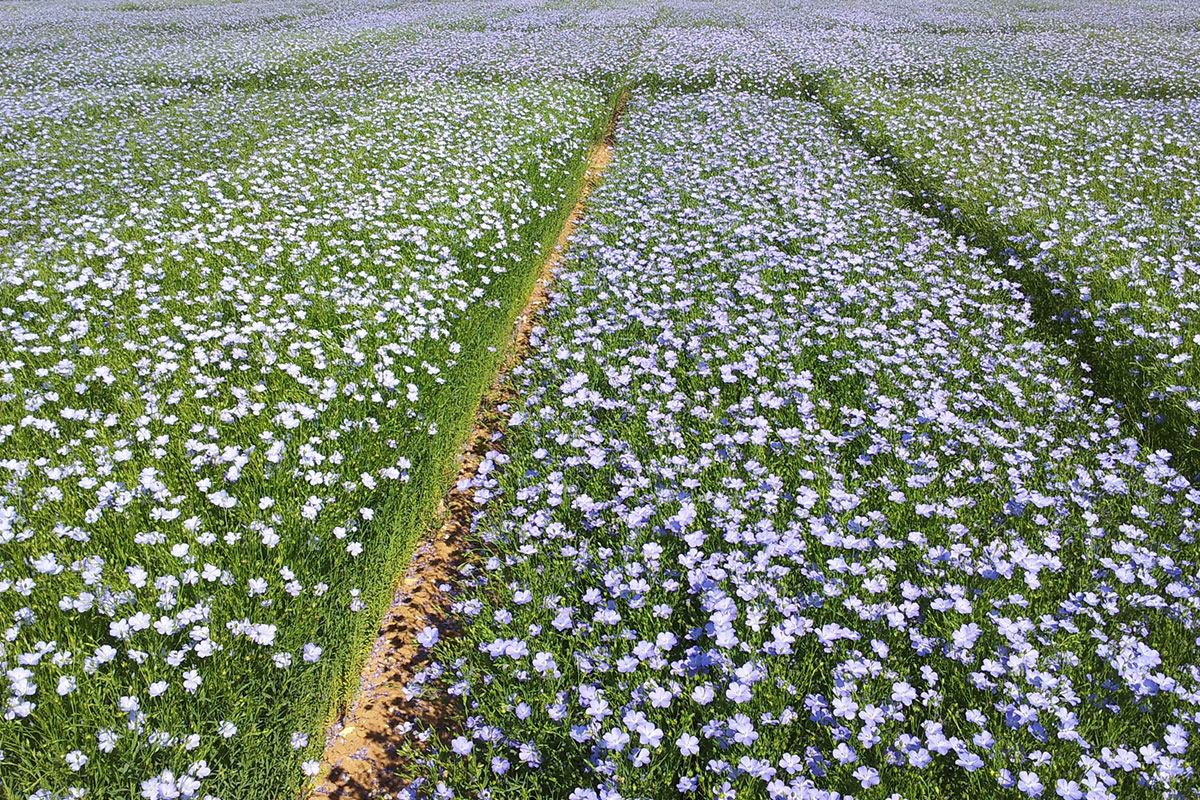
{"x": 797, "y": 504}
{"x": 241, "y": 329}
{"x": 1085, "y": 161}
{"x": 796, "y": 499}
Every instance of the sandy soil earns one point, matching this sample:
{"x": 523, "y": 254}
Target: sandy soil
{"x": 360, "y": 759}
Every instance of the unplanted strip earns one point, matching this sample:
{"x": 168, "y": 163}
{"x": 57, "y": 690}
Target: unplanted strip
{"x": 360, "y": 759}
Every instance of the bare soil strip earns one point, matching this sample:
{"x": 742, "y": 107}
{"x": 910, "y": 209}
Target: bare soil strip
{"x": 360, "y": 760}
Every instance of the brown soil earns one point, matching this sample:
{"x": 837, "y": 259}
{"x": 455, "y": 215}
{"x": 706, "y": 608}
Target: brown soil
{"x": 360, "y": 759}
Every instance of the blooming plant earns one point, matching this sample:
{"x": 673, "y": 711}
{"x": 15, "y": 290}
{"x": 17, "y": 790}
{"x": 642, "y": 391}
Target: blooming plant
{"x": 853, "y": 455}
{"x": 242, "y": 327}
{"x": 798, "y": 504}
{"x": 1084, "y": 171}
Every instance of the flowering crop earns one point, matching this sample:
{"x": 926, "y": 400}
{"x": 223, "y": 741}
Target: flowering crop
{"x": 800, "y": 495}
{"x": 796, "y": 502}
{"x": 1086, "y": 168}
{"x": 243, "y": 323}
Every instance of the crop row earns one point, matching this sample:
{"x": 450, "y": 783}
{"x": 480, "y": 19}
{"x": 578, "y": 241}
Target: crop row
{"x": 229, "y": 401}
{"x": 797, "y": 501}
{"x": 1090, "y": 185}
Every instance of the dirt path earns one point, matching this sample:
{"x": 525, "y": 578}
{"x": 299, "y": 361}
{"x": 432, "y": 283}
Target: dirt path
{"x": 360, "y": 757}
